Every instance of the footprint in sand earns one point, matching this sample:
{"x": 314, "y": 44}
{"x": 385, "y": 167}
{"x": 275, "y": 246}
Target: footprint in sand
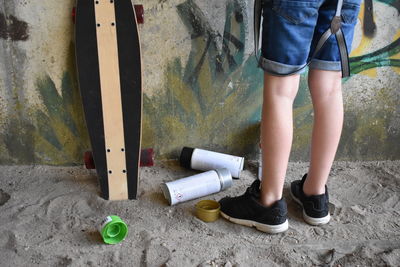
{"x": 4, "y": 197}
{"x": 157, "y": 255}
{"x": 153, "y": 254}
{"x": 8, "y": 240}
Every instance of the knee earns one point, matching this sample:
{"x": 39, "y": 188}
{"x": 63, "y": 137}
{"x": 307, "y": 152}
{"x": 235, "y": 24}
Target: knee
{"x": 284, "y": 88}
{"x": 324, "y": 85}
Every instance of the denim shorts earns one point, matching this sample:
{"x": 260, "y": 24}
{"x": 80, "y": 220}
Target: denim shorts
{"x": 292, "y": 28}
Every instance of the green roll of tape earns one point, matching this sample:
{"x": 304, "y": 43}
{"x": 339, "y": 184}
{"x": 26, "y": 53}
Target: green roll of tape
{"x": 113, "y": 230}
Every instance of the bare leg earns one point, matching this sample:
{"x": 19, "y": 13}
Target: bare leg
{"x": 276, "y": 133}
{"x": 326, "y": 94}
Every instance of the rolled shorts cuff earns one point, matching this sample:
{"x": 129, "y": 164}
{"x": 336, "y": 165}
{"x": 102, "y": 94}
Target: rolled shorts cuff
{"x": 325, "y": 65}
{"x": 280, "y": 69}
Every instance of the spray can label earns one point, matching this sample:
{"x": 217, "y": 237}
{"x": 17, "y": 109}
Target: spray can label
{"x": 192, "y": 187}
{"x": 104, "y": 222}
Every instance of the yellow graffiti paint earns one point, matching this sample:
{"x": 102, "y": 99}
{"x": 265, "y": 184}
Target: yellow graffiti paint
{"x": 365, "y": 43}
{"x": 396, "y": 56}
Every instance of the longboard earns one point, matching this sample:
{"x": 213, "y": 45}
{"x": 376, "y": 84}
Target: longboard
{"x": 109, "y": 73}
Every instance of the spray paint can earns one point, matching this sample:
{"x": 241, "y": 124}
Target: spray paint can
{"x": 196, "y": 186}
{"x": 204, "y": 160}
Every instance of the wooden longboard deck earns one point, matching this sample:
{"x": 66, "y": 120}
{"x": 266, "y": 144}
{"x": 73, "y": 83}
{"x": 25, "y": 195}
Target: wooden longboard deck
{"x": 109, "y": 73}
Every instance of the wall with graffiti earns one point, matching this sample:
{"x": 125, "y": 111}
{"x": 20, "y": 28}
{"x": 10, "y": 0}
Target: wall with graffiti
{"x": 202, "y": 86}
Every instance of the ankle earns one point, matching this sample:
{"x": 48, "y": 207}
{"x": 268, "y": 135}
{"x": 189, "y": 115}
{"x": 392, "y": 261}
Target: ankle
{"x": 312, "y": 189}
{"x": 269, "y": 199}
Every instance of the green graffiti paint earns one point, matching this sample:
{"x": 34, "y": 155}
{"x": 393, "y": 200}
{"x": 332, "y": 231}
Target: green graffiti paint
{"x": 209, "y": 101}
{"x": 60, "y": 134}
{"x": 393, "y": 3}
{"x": 46, "y": 131}
{"x": 378, "y": 58}
{"x": 55, "y": 104}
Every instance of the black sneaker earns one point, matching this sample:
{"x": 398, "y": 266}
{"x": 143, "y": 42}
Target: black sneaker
{"x": 247, "y": 210}
{"x": 315, "y": 208}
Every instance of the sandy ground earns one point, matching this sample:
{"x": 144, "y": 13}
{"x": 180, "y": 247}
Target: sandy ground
{"x": 48, "y": 217}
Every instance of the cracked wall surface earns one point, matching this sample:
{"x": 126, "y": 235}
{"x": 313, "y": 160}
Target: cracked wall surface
{"x": 201, "y": 84}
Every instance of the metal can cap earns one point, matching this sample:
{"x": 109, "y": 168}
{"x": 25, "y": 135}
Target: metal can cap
{"x": 208, "y": 210}
{"x": 225, "y": 178}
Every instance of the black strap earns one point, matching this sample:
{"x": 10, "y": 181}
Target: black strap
{"x": 344, "y": 55}
{"x": 334, "y": 29}
{"x": 257, "y": 22}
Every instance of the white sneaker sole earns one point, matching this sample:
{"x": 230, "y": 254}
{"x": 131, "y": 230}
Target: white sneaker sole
{"x": 271, "y": 229}
{"x": 311, "y": 220}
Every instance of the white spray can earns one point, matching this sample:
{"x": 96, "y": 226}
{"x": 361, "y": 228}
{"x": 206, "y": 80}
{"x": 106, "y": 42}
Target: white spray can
{"x": 196, "y": 186}
{"x": 204, "y": 160}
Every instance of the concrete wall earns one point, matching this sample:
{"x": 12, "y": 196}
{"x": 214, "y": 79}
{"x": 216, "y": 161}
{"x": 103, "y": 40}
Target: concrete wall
{"x": 201, "y": 84}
